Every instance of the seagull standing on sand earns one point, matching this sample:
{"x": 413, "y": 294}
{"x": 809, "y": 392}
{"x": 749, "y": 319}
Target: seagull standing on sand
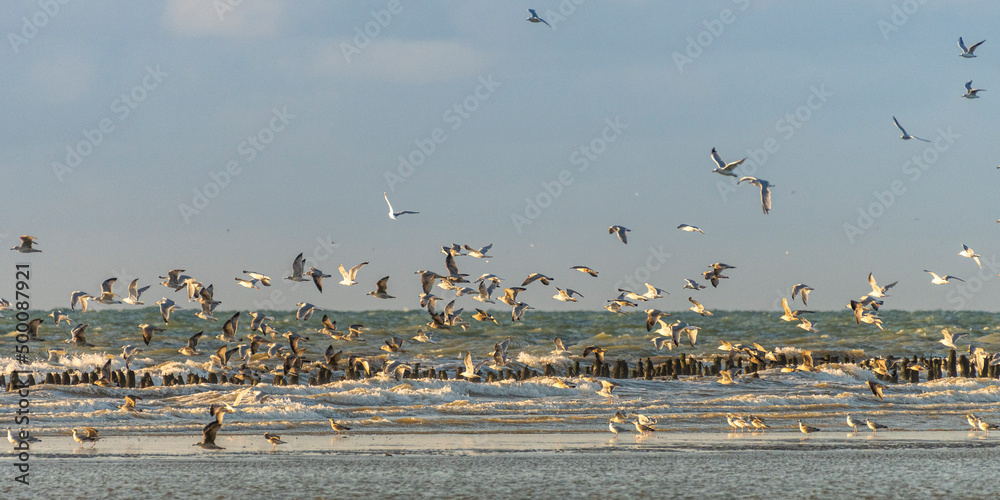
{"x": 392, "y": 214}
{"x": 852, "y": 423}
{"x": 535, "y": 19}
{"x": 765, "y": 191}
{"x": 274, "y": 439}
{"x": 874, "y": 426}
{"x": 89, "y": 435}
{"x": 724, "y": 168}
{"x": 338, "y": 427}
{"x": 906, "y": 136}
{"x": 807, "y": 430}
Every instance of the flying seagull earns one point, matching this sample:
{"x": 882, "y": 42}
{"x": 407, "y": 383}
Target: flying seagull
{"x": 723, "y": 167}
{"x": 804, "y": 289}
{"x": 971, "y": 92}
{"x": 380, "y": 289}
{"x": 621, "y": 231}
{"x": 906, "y": 136}
{"x": 942, "y": 280}
{"x": 26, "y": 245}
{"x": 967, "y": 252}
{"x": 392, "y": 214}
{"x": 350, "y": 275}
{"x": 765, "y": 191}
{"x": 967, "y": 52}
{"x": 689, "y": 228}
{"x": 535, "y": 19}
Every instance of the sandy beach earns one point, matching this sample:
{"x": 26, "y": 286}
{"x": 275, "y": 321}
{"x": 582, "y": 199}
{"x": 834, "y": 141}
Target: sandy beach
{"x": 831, "y": 464}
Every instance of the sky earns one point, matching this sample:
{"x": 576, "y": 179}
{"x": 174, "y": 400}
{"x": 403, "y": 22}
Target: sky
{"x": 224, "y": 136}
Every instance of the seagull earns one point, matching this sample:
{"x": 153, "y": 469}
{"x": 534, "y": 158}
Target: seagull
{"x": 17, "y": 440}
{"x": 230, "y": 328}
{"x": 616, "y": 426}
{"x": 107, "y": 295}
{"x": 317, "y": 277}
{"x": 765, "y": 191}
{"x": 380, "y": 289}
{"x": 32, "y": 331}
{"x": 298, "y": 269}
{"x": 78, "y": 337}
{"x": 305, "y": 311}
{"x": 652, "y": 293}
{"x": 876, "y": 389}
{"x": 807, "y": 429}
{"x": 621, "y": 232}
{"x": 90, "y": 435}
{"x": 652, "y": 316}
{"x": 950, "y": 338}
{"x": 878, "y": 291}
{"x": 166, "y": 305}
{"x": 338, "y": 427}
{"x": 148, "y": 331}
{"x": 26, "y": 245}
{"x": 481, "y": 253}
{"x": 690, "y": 228}
{"x": 470, "y": 369}
{"x": 968, "y": 52}
{"x": 986, "y": 426}
{"x": 134, "y": 292}
{"x": 598, "y": 353}
{"x": 566, "y": 295}
{"x": 585, "y": 269}
{"x": 192, "y": 345}
{"x": 942, "y": 280}
{"x": 723, "y": 167}
{"x": 350, "y": 275}
{"x": 693, "y": 285}
{"x": 698, "y": 308}
{"x": 482, "y": 315}
{"x": 249, "y": 283}
{"x": 531, "y": 277}
{"x": 643, "y": 429}
{"x": 804, "y": 289}
{"x": 971, "y": 92}
{"x": 852, "y": 423}
{"x": 967, "y": 252}
{"x": 264, "y": 280}
{"x": 791, "y": 315}
{"x": 393, "y": 215}
{"x": 129, "y": 404}
{"x": 906, "y": 136}
{"x": 560, "y": 349}
{"x": 607, "y": 388}
{"x": 209, "y": 432}
{"x": 274, "y": 439}
{"x": 535, "y": 19}
{"x": 128, "y": 353}
{"x": 874, "y": 426}
{"x": 424, "y": 337}
{"x": 174, "y": 279}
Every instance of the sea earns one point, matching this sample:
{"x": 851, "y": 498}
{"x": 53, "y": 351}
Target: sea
{"x": 545, "y": 420}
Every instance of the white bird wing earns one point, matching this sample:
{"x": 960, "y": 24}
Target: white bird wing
{"x": 900, "y": 127}
{"x": 961, "y": 45}
{"x": 718, "y": 159}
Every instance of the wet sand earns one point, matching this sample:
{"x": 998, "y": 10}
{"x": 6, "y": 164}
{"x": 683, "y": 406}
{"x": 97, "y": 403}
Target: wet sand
{"x": 521, "y": 465}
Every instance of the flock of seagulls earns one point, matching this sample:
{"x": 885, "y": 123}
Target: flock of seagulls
{"x": 261, "y": 343}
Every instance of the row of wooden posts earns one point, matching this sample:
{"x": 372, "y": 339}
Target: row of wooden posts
{"x": 665, "y": 367}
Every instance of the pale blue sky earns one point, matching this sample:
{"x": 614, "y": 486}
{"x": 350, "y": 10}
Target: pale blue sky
{"x": 507, "y": 105}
